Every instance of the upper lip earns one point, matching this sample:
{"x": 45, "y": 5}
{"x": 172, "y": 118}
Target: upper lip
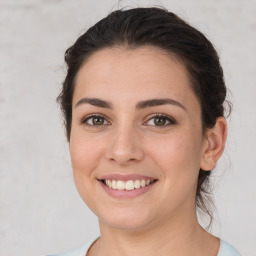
{"x": 126, "y": 177}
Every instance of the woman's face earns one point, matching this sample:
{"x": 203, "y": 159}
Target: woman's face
{"x": 136, "y": 120}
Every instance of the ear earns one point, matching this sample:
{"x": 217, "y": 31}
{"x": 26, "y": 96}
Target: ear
{"x": 214, "y": 144}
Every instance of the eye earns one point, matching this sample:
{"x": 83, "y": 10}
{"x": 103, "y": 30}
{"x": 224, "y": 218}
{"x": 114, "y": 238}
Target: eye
{"x": 160, "y": 120}
{"x": 94, "y": 120}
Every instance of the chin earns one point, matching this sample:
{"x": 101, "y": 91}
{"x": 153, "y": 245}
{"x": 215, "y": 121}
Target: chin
{"x": 130, "y": 221}
{"x": 128, "y": 225}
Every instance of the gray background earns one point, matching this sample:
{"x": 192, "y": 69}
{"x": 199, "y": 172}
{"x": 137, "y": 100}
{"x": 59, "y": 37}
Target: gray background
{"x": 40, "y": 210}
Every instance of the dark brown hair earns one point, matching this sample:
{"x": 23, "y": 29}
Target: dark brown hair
{"x": 165, "y": 30}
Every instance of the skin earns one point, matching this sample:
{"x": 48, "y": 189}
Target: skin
{"x": 163, "y": 219}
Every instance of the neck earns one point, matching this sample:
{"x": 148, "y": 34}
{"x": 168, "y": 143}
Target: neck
{"x": 173, "y": 236}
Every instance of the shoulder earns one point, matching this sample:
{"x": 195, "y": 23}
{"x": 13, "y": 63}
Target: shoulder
{"x": 227, "y": 249}
{"x": 79, "y": 251}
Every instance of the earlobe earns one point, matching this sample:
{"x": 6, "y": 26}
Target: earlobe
{"x": 214, "y": 144}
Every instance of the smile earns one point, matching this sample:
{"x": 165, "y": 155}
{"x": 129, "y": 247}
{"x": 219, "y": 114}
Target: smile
{"x": 127, "y": 185}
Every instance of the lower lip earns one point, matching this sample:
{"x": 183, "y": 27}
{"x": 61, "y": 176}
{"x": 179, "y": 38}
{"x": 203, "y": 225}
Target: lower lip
{"x": 126, "y": 193}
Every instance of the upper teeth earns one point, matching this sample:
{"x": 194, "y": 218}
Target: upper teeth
{"x": 127, "y": 185}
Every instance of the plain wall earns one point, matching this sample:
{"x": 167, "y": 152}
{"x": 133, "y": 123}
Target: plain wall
{"x": 40, "y": 209}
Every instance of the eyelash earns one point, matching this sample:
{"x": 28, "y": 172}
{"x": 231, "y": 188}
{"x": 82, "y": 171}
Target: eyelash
{"x": 169, "y": 120}
{"x": 87, "y": 118}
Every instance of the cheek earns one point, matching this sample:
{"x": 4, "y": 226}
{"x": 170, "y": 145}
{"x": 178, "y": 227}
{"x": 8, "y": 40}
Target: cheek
{"x": 85, "y": 156}
{"x": 178, "y": 156}
{"x": 84, "y": 151}
{"x": 182, "y": 148}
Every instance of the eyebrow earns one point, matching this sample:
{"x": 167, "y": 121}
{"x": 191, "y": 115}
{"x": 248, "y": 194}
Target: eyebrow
{"x": 140, "y": 105}
{"x": 95, "y": 102}
{"x": 158, "y": 102}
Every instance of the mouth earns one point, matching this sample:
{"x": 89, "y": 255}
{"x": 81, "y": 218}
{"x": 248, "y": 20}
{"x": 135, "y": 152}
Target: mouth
{"x": 128, "y": 185}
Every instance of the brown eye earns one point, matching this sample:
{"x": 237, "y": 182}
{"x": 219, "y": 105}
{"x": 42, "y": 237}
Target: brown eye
{"x": 160, "y": 120}
{"x": 98, "y": 120}
{"x": 95, "y": 120}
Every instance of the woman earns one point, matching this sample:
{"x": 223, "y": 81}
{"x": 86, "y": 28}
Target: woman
{"x": 143, "y": 107}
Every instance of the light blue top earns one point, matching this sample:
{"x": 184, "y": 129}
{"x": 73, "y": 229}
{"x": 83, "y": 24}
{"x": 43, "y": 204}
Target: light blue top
{"x": 226, "y": 249}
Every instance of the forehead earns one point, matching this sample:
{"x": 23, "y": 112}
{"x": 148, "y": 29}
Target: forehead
{"x": 133, "y": 74}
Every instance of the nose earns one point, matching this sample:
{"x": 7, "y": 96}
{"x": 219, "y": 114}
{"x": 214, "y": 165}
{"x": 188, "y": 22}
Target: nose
{"x": 125, "y": 146}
